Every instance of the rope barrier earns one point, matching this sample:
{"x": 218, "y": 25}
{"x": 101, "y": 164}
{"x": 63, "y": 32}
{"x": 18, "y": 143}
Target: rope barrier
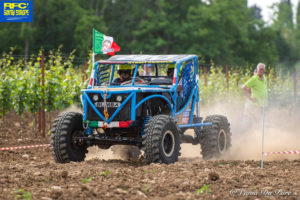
{"x": 283, "y": 152}
{"x": 24, "y": 147}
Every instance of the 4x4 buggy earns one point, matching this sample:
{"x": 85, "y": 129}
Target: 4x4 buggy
{"x": 143, "y": 111}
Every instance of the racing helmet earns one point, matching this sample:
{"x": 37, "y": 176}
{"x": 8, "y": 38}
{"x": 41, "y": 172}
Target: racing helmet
{"x": 171, "y": 66}
{"x": 124, "y": 69}
{"x": 170, "y": 69}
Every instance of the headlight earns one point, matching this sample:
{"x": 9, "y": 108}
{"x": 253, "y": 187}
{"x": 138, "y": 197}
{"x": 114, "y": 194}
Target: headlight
{"x": 95, "y": 97}
{"x": 119, "y": 98}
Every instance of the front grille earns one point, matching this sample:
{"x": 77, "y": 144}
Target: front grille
{"x": 123, "y": 115}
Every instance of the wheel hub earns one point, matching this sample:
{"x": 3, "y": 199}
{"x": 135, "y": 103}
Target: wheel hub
{"x": 76, "y": 143}
{"x": 222, "y": 144}
{"x": 168, "y": 143}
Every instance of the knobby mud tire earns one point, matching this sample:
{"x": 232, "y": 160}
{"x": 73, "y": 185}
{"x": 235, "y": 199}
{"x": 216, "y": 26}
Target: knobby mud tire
{"x": 216, "y": 139}
{"x": 161, "y": 141}
{"x": 66, "y": 126}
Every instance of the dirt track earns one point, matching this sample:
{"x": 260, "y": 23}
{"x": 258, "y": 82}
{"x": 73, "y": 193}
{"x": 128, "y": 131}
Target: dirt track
{"x": 35, "y": 171}
{"x": 38, "y": 174}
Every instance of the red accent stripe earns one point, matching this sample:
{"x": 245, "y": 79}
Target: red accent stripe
{"x": 125, "y": 124}
{"x": 91, "y": 82}
{"x": 110, "y": 62}
{"x": 174, "y": 80}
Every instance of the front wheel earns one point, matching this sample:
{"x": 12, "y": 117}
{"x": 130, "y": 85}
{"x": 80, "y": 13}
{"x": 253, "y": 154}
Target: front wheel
{"x": 161, "y": 142}
{"x": 65, "y": 147}
{"x": 216, "y": 139}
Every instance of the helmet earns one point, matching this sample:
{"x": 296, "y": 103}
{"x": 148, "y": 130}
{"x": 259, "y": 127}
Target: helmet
{"x": 171, "y": 66}
{"x": 124, "y": 69}
{"x": 170, "y": 69}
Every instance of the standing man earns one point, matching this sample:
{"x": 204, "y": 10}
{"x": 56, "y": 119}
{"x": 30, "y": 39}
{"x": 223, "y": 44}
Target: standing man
{"x": 256, "y": 87}
{"x": 256, "y": 91}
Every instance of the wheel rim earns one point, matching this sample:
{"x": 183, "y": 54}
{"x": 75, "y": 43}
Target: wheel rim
{"x": 168, "y": 143}
{"x": 75, "y": 143}
{"x": 222, "y": 141}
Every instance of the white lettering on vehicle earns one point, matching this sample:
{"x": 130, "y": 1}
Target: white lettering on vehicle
{"x": 108, "y": 104}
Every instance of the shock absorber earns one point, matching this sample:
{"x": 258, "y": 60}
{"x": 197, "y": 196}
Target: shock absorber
{"x": 89, "y": 131}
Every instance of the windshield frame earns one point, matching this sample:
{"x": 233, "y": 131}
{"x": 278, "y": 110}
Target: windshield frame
{"x": 136, "y": 66}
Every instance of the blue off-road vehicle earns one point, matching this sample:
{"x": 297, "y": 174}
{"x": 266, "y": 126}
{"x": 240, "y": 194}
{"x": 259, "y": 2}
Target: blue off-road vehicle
{"x": 150, "y": 108}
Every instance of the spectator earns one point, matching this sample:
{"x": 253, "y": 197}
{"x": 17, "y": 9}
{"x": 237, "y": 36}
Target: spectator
{"x": 256, "y": 87}
{"x": 147, "y": 70}
{"x": 257, "y": 95}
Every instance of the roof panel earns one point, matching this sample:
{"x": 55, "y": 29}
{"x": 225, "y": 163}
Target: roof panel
{"x": 147, "y": 58}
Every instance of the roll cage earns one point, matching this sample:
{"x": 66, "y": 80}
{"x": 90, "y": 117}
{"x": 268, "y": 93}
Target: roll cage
{"x": 186, "y": 68}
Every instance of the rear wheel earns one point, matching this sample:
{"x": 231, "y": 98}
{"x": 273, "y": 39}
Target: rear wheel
{"x": 216, "y": 139}
{"x": 65, "y": 147}
{"x": 161, "y": 143}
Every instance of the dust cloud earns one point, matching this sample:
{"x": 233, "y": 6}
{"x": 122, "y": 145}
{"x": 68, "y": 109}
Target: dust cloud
{"x": 122, "y": 152}
{"x": 96, "y": 152}
{"x": 281, "y": 130}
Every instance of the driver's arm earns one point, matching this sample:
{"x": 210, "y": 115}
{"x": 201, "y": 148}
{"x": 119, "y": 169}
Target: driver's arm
{"x": 116, "y": 81}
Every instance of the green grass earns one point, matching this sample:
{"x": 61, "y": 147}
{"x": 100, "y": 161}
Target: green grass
{"x": 203, "y": 190}
{"x": 148, "y": 171}
{"x": 86, "y": 180}
{"x": 21, "y": 194}
{"x": 105, "y": 173}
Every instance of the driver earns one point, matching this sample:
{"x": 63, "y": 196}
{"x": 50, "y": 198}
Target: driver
{"x": 124, "y": 72}
{"x": 170, "y": 71}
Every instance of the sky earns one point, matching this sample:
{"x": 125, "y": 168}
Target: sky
{"x": 266, "y": 11}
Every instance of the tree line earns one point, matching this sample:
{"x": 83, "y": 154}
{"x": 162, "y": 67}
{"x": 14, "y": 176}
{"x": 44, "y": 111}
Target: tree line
{"x": 225, "y": 31}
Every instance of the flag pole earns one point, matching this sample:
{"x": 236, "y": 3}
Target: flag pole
{"x": 93, "y": 59}
{"x": 263, "y": 132}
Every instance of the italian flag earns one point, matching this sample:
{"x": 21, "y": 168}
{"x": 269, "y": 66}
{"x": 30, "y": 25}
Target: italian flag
{"x": 104, "y": 44}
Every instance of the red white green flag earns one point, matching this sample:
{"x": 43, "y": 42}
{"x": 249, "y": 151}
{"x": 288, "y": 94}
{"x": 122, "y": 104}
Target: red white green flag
{"x": 104, "y": 44}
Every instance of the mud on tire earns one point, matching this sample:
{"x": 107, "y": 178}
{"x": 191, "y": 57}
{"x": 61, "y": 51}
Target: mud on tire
{"x": 161, "y": 143}
{"x": 216, "y": 139}
{"x": 64, "y": 149}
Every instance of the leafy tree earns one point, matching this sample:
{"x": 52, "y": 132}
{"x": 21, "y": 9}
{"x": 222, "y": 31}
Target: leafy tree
{"x": 57, "y": 23}
{"x": 285, "y": 33}
{"x": 256, "y": 12}
{"x": 227, "y": 32}
{"x": 122, "y": 19}
{"x": 298, "y": 17}
{"x": 284, "y": 13}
